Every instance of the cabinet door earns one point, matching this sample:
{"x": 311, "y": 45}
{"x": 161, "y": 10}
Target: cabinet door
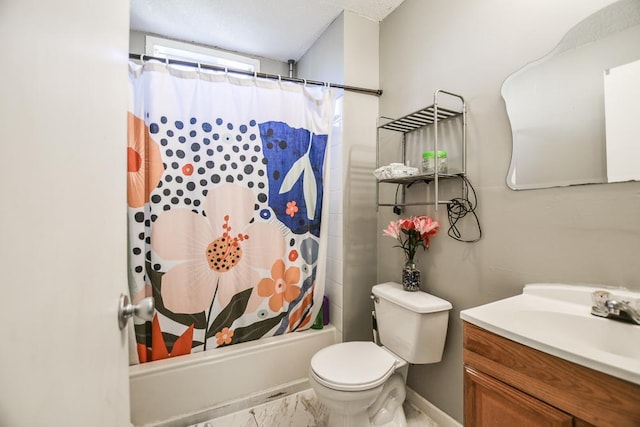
{"x": 491, "y": 403}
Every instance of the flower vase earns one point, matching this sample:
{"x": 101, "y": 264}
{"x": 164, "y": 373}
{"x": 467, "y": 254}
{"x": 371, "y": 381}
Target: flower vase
{"x": 410, "y": 277}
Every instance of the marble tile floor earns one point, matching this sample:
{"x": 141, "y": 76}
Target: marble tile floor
{"x": 301, "y": 409}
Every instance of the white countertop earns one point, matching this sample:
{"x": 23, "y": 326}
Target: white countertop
{"x": 556, "y": 319}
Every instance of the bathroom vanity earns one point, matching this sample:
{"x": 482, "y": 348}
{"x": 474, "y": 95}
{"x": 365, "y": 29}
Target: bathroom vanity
{"x": 523, "y": 370}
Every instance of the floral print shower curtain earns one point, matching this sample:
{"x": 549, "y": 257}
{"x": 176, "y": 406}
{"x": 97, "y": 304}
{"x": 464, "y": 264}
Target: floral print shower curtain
{"x": 225, "y": 193}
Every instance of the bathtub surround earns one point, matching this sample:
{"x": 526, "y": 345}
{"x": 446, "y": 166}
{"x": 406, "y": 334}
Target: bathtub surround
{"x": 582, "y": 234}
{"x": 211, "y": 384}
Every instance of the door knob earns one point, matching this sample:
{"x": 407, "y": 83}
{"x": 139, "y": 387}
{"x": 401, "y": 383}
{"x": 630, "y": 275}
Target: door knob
{"x": 144, "y": 309}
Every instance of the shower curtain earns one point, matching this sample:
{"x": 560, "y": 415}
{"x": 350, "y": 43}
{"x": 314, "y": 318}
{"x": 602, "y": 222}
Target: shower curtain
{"x": 225, "y": 204}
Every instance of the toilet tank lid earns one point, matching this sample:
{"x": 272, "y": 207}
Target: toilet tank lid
{"x": 419, "y": 302}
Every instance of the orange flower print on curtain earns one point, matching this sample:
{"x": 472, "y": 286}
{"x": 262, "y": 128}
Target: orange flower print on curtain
{"x": 144, "y": 163}
{"x": 158, "y": 350}
{"x": 281, "y": 286}
{"x": 224, "y": 336}
{"x": 292, "y": 209}
{"x": 214, "y": 255}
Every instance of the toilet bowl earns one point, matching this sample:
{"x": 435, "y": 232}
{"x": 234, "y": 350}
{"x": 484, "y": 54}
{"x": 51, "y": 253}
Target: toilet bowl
{"x": 367, "y": 383}
{"x": 362, "y": 383}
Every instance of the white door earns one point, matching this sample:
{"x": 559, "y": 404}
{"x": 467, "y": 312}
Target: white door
{"x": 63, "y": 101}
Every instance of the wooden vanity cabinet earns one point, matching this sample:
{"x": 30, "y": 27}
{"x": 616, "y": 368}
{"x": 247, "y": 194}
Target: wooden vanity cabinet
{"x": 509, "y": 384}
{"x": 489, "y": 402}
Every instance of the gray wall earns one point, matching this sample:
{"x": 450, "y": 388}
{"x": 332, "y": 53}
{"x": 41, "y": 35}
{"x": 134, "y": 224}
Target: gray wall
{"x": 359, "y": 136}
{"x": 580, "y": 234}
{"x": 324, "y": 61}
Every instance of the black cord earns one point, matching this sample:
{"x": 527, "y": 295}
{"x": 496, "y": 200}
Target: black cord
{"x": 397, "y": 209}
{"x": 459, "y": 208}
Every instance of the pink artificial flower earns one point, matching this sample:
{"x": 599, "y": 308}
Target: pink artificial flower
{"x": 407, "y": 224}
{"x": 427, "y": 227}
{"x": 392, "y": 230}
{"x": 412, "y": 232}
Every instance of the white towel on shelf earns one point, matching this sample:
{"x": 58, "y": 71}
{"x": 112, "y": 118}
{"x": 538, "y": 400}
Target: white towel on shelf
{"x": 394, "y": 170}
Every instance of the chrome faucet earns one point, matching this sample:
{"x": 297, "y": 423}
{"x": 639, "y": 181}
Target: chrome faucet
{"x": 606, "y": 305}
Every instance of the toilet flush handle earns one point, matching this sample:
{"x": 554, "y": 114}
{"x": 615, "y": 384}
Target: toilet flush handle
{"x": 374, "y": 298}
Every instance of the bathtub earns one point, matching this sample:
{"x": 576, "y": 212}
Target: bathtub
{"x": 194, "y": 388}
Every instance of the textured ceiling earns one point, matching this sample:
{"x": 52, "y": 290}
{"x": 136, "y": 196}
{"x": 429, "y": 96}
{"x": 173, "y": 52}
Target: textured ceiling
{"x": 275, "y": 29}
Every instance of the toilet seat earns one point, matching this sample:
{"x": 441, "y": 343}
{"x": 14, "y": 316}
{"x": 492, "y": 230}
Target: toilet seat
{"x": 352, "y": 366}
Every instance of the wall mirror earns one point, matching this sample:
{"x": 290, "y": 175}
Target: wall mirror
{"x": 556, "y": 105}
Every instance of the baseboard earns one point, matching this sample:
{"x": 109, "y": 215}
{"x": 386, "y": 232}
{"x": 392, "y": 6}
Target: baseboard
{"x": 436, "y": 414}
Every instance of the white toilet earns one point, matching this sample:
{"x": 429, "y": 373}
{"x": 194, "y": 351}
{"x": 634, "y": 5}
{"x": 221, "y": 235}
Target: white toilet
{"x": 363, "y": 384}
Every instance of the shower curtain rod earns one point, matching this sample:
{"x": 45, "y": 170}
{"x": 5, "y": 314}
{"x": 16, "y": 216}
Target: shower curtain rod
{"x": 143, "y": 57}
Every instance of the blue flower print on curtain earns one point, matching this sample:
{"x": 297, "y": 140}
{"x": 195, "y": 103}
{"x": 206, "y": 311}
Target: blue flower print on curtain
{"x": 295, "y": 159}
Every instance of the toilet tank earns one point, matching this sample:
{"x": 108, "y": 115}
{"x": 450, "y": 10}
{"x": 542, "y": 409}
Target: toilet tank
{"x": 412, "y": 325}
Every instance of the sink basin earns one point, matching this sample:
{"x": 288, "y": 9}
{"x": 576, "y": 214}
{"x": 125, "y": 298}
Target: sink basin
{"x": 556, "y": 319}
{"x": 596, "y": 333}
